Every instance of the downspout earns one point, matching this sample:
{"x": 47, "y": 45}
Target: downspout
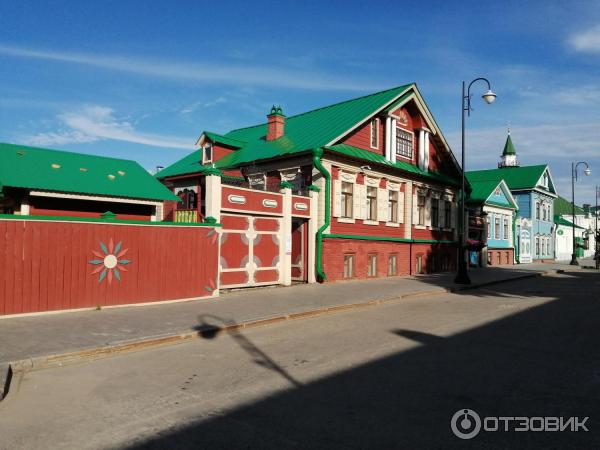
{"x": 514, "y": 227}
{"x": 317, "y": 154}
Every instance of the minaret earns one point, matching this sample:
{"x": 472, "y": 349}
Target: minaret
{"x": 509, "y": 155}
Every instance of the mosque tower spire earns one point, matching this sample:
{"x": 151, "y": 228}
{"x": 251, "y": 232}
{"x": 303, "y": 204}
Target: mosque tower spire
{"x": 509, "y": 154}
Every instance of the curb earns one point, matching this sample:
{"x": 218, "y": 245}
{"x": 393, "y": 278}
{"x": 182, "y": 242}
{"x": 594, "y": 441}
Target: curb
{"x": 16, "y": 369}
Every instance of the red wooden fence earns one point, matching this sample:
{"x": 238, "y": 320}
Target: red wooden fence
{"x": 54, "y": 265}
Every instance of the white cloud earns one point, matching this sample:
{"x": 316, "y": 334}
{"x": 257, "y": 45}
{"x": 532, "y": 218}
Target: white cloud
{"x": 197, "y": 105}
{"x": 211, "y": 72}
{"x": 94, "y": 123}
{"x": 586, "y": 41}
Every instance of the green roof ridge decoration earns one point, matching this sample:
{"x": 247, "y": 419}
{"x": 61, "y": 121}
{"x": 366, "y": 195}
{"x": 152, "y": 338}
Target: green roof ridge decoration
{"x": 509, "y": 148}
{"x": 286, "y": 185}
{"x": 60, "y": 171}
{"x": 276, "y": 111}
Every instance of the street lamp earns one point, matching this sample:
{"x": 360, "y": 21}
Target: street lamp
{"x": 462, "y": 277}
{"x": 587, "y": 172}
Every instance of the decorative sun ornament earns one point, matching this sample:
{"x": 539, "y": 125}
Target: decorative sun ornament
{"x": 109, "y": 262}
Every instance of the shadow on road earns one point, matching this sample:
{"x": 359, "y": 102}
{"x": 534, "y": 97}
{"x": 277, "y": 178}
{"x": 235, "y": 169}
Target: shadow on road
{"x": 543, "y": 361}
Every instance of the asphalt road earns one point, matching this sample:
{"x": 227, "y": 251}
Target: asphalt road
{"x": 387, "y": 377}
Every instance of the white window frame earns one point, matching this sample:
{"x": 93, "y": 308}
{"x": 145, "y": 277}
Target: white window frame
{"x": 343, "y": 206}
{"x": 375, "y": 123}
{"x": 395, "y": 144}
{"x": 210, "y": 147}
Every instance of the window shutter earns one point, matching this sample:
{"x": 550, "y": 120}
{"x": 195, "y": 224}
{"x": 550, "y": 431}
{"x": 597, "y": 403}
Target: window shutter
{"x": 415, "y": 214}
{"x": 337, "y": 198}
{"x": 454, "y": 225}
{"x": 401, "y": 207}
{"x": 428, "y": 211}
{"x": 382, "y": 205}
{"x": 360, "y": 201}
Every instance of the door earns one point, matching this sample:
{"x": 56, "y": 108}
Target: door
{"x": 525, "y": 247}
{"x": 299, "y": 250}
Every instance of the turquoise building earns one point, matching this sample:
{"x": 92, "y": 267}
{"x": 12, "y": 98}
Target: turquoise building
{"x": 534, "y": 192}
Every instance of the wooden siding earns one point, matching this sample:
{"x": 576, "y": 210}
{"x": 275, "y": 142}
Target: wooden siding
{"x": 49, "y": 265}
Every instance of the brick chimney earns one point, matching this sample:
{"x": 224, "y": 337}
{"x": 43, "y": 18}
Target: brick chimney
{"x": 276, "y": 123}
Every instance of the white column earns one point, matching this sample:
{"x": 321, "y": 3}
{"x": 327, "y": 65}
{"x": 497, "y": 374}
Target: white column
{"x": 313, "y": 226}
{"x": 426, "y": 150}
{"x": 388, "y": 138}
{"x": 286, "y": 235}
{"x": 393, "y": 141}
{"x": 408, "y": 209}
{"x": 421, "y": 154}
{"x": 213, "y": 197}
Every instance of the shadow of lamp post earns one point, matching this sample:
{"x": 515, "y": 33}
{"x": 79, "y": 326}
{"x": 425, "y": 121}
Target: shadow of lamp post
{"x": 587, "y": 172}
{"x": 462, "y": 277}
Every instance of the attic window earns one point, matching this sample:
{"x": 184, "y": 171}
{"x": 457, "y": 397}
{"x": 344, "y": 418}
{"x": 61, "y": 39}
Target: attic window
{"x": 120, "y": 172}
{"x": 55, "y": 166}
{"x": 208, "y": 154}
{"x": 375, "y": 133}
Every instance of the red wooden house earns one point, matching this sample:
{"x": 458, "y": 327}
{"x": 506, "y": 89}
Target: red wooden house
{"x": 386, "y": 177}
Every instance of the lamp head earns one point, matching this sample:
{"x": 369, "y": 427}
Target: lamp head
{"x": 587, "y": 171}
{"x": 489, "y": 97}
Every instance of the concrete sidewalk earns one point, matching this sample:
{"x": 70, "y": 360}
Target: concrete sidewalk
{"x": 24, "y": 338}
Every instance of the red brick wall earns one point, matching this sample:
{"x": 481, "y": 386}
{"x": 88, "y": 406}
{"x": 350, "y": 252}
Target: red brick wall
{"x": 505, "y": 255}
{"x": 335, "y": 249}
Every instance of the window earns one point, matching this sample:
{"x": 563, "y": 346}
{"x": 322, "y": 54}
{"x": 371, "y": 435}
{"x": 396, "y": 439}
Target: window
{"x": 548, "y": 246}
{"x": 421, "y": 209}
{"x": 348, "y": 266}
{"x": 489, "y": 227}
{"x": 404, "y": 143}
{"x": 372, "y": 268}
{"x": 537, "y": 245}
{"x": 448, "y": 215}
{"x": 392, "y": 265}
{"x": 347, "y": 199}
{"x": 371, "y": 203}
{"x": 393, "y": 206}
{"x": 505, "y": 228}
{"x": 419, "y": 268}
{"x": 208, "y": 153}
{"x": 497, "y": 228}
{"x": 544, "y": 211}
{"x": 188, "y": 199}
{"x": 435, "y": 212}
{"x": 537, "y": 210}
{"x": 375, "y": 133}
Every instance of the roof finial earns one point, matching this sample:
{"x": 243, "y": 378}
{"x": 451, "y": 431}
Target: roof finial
{"x": 508, "y": 127}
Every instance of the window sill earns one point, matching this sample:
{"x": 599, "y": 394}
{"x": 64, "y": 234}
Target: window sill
{"x": 370, "y": 222}
{"x": 420, "y": 227}
{"x": 346, "y": 220}
{"x": 392, "y": 224}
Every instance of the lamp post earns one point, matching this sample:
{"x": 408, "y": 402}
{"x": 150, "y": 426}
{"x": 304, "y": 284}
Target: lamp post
{"x": 586, "y": 171}
{"x": 462, "y": 277}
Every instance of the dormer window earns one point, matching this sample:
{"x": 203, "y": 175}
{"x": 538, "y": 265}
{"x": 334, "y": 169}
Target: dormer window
{"x": 404, "y": 143}
{"x": 208, "y": 154}
{"x": 545, "y": 180}
{"x": 375, "y": 133}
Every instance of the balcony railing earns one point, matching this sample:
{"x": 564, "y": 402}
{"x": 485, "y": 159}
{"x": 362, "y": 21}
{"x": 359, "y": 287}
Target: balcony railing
{"x": 187, "y": 215}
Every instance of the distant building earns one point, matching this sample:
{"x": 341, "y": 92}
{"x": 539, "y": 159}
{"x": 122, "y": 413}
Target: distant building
{"x": 534, "y": 192}
{"x": 41, "y": 182}
{"x": 584, "y": 229}
{"x": 492, "y": 221}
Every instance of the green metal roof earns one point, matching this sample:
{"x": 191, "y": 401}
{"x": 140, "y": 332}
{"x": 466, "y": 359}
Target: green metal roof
{"x": 560, "y": 221}
{"x": 482, "y": 189}
{"x": 516, "y": 178}
{"x": 309, "y": 130}
{"x": 190, "y": 164}
{"x": 54, "y": 170}
{"x": 509, "y": 148}
{"x": 564, "y": 207}
{"x": 365, "y": 155}
{"x": 214, "y": 137}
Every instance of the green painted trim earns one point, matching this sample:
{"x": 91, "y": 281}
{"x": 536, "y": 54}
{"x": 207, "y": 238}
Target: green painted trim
{"x": 86, "y": 219}
{"x": 286, "y": 185}
{"x": 389, "y": 239}
{"x": 314, "y": 188}
{"x": 317, "y": 154}
{"x": 213, "y": 171}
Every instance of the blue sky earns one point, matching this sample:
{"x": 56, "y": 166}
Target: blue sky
{"x": 142, "y": 80}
